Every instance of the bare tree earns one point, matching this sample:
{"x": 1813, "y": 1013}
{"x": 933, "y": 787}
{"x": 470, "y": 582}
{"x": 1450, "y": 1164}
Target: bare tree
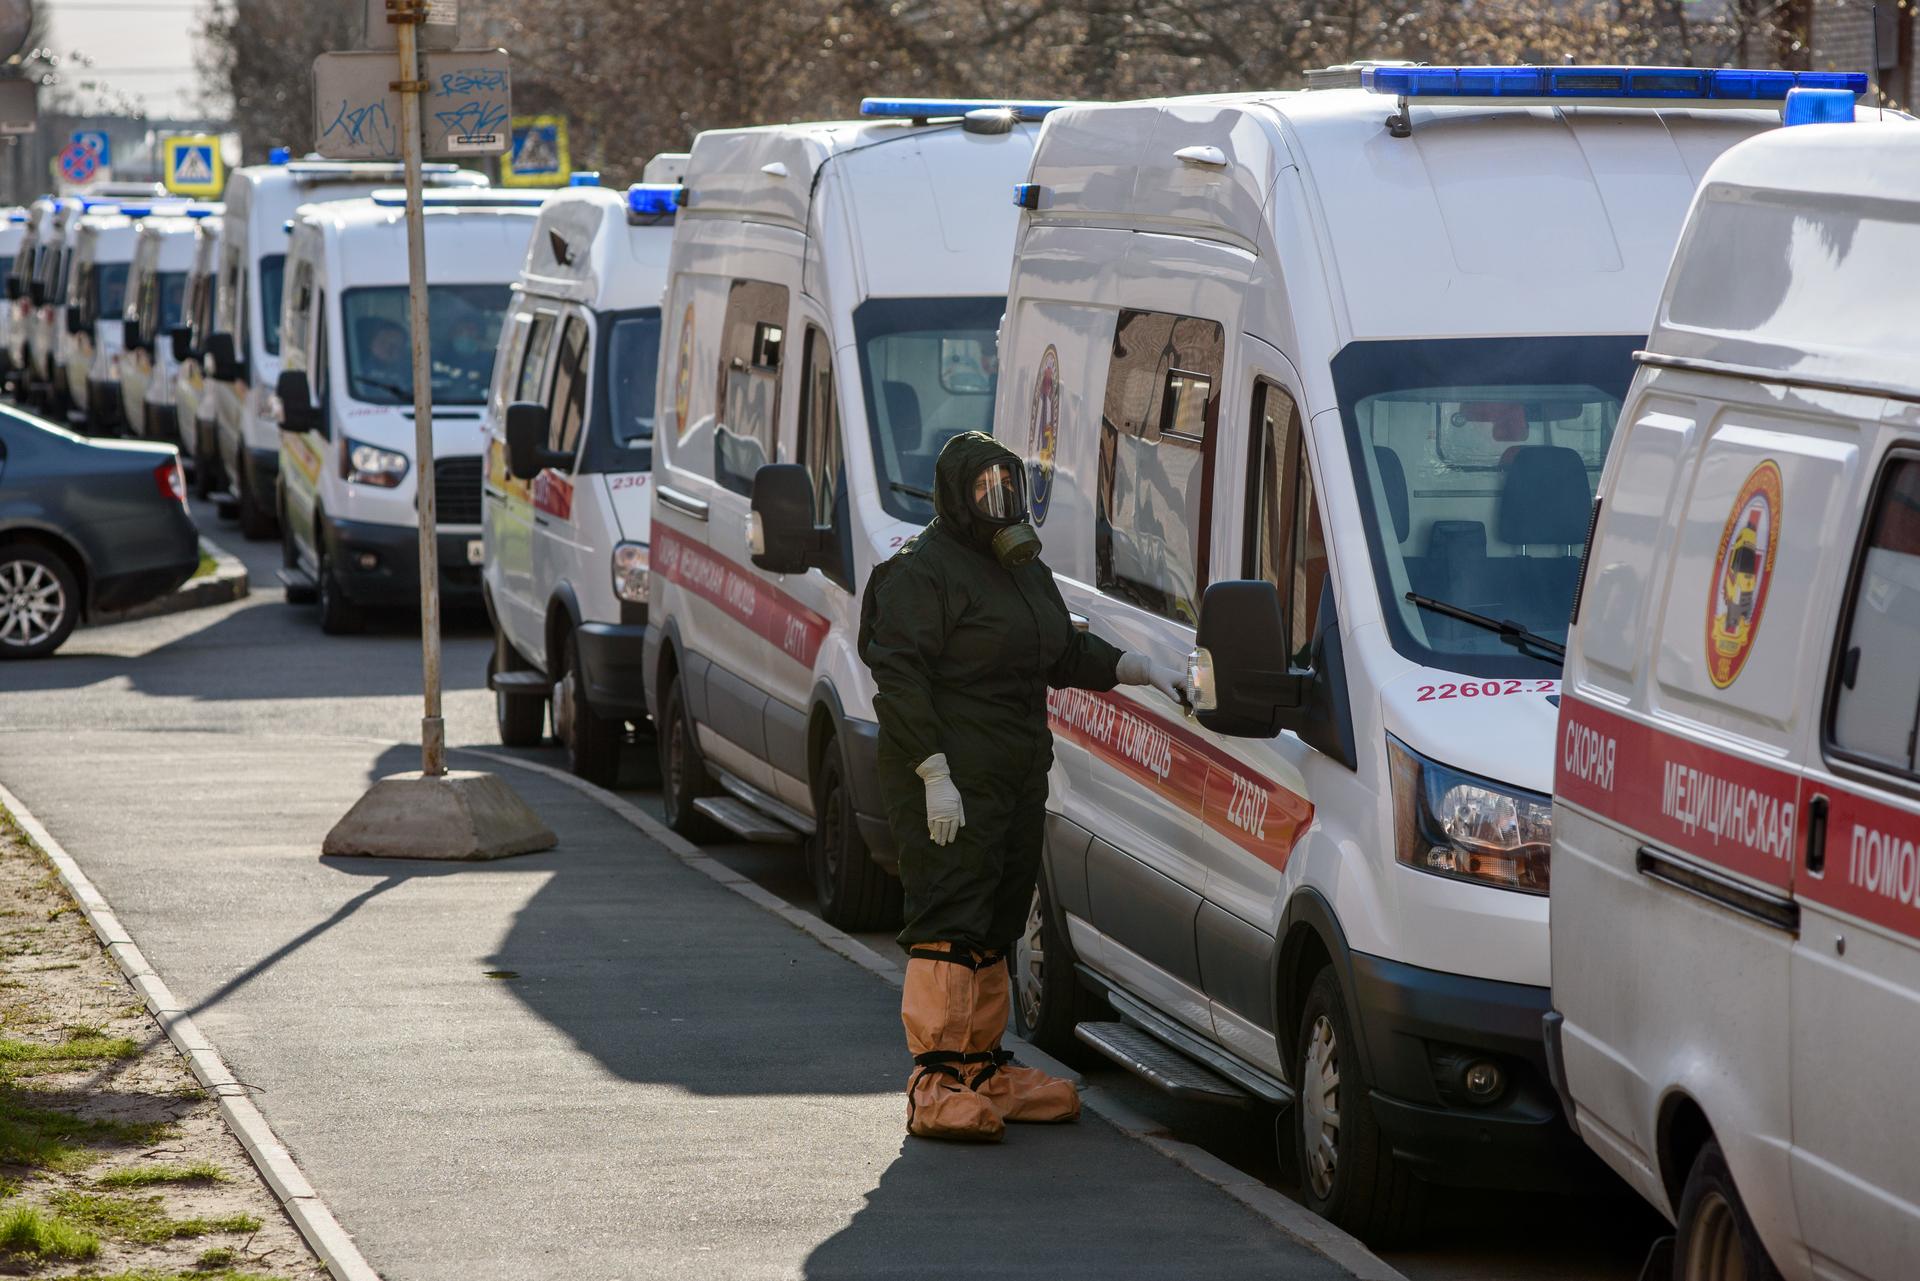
{"x": 261, "y": 53}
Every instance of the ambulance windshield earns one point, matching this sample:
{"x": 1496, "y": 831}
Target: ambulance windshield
{"x": 928, "y": 367}
{"x": 463, "y": 326}
{"x": 1476, "y": 462}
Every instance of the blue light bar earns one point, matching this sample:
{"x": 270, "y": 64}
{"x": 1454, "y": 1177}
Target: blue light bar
{"x": 198, "y": 211}
{"x": 1627, "y": 83}
{"x": 278, "y": 155}
{"x": 655, "y": 199}
{"x": 136, "y": 211}
{"x": 932, "y": 108}
{"x": 584, "y": 178}
{"x": 16, "y": 217}
{"x": 1818, "y": 107}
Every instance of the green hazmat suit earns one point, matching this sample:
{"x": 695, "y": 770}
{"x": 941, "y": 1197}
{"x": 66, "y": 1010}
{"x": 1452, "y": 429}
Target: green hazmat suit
{"x": 963, "y": 651}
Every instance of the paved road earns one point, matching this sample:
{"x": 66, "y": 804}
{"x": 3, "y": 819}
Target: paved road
{"x": 261, "y": 667}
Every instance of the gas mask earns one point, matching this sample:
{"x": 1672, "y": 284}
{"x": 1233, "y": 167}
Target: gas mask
{"x": 999, "y": 498}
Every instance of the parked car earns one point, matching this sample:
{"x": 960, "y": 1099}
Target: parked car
{"x": 1313, "y": 389}
{"x": 568, "y": 494}
{"x": 1736, "y": 891}
{"x": 85, "y": 526}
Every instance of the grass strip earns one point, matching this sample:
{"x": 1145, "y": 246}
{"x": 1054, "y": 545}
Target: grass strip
{"x": 142, "y": 1219}
{"x": 49, "y": 1139}
{"x": 144, "y": 1176}
{"x": 34, "y": 1234}
{"x": 74, "y": 1047}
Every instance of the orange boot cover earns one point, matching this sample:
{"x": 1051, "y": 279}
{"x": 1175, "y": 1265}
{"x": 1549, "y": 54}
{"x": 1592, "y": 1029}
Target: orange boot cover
{"x": 1017, "y": 1093}
{"x": 937, "y": 1007}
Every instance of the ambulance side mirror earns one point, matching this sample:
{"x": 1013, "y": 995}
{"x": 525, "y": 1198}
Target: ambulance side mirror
{"x": 76, "y": 323}
{"x": 221, "y": 356}
{"x": 13, "y": 289}
{"x": 182, "y": 340}
{"x": 781, "y": 535}
{"x": 527, "y": 452}
{"x": 1244, "y": 685}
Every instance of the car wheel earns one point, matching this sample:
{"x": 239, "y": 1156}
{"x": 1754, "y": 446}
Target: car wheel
{"x": 1715, "y": 1240}
{"x": 339, "y": 616}
{"x": 206, "y": 466}
{"x": 854, "y": 892}
{"x": 39, "y": 601}
{"x": 521, "y": 718}
{"x": 592, "y": 741}
{"x": 256, "y": 521}
{"x": 1048, "y": 997}
{"x": 298, "y": 591}
{"x": 683, "y": 775}
{"x": 1348, "y": 1173}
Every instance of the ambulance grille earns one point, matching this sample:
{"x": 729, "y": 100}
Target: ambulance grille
{"x": 456, "y": 485}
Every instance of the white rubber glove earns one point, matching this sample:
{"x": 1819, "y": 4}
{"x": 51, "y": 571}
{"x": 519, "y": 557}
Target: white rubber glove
{"x": 945, "y": 816}
{"x": 1138, "y": 669}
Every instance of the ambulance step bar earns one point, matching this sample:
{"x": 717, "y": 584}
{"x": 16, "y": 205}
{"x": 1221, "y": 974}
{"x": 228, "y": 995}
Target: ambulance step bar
{"x": 744, "y": 821}
{"x": 1166, "y": 1055}
{"x": 301, "y": 586}
{"x": 519, "y": 684}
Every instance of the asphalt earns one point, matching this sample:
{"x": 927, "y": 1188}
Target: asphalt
{"x": 592, "y": 1062}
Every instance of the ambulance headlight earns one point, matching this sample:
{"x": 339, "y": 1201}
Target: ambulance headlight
{"x": 630, "y": 572}
{"x": 365, "y": 464}
{"x": 1473, "y": 829}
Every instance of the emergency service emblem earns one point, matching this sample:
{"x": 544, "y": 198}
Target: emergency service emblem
{"x": 683, "y": 375}
{"x": 1043, "y": 434}
{"x": 1742, "y": 572}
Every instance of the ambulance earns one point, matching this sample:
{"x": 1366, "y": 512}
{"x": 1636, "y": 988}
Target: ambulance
{"x": 163, "y": 254}
{"x": 14, "y": 241}
{"x": 567, "y": 495}
{"x": 193, "y": 406}
{"x": 349, "y": 528}
{"x": 831, "y": 305}
{"x": 20, "y": 304}
{"x": 1313, "y": 389}
{"x": 47, "y": 336}
{"x": 1736, "y": 888}
{"x": 96, "y": 298}
{"x": 242, "y": 356}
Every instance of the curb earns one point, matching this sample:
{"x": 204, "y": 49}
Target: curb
{"x": 303, "y": 1205}
{"x": 1275, "y": 1208}
{"x": 227, "y": 582}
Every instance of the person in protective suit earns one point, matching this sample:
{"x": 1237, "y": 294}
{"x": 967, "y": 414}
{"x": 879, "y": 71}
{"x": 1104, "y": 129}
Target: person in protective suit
{"x": 965, "y": 632}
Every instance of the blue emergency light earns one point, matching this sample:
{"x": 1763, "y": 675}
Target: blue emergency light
{"x": 938, "y": 108}
{"x": 1026, "y": 195}
{"x": 198, "y": 211}
{"x": 655, "y": 199}
{"x": 1724, "y": 84}
{"x": 136, "y": 211}
{"x": 1818, "y": 107}
{"x": 16, "y": 217}
{"x": 278, "y": 155}
{"x": 584, "y": 178}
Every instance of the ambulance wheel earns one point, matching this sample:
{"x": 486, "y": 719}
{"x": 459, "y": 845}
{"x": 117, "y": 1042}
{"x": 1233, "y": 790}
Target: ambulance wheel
{"x": 1348, "y": 1173}
{"x": 521, "y": 718}
{"x": 206, "y": 466}
{"x": 683, "y": 775}
{"x": 298, "y": 591}
{"x": 854, "y": 892}
{"x": 338, "y": 615}
{"x": 1715, "y": 1240}
{"x": 256, "y": 519}
{"x": 592, "y": 742}
{"x": 1048, "y": 997}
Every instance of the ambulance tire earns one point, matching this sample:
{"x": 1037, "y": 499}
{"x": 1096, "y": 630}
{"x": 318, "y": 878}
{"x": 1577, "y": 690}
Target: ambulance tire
{"x": 1714, "y": 1239}
{"x": 339, "y": 616}
{"x": 257, "y": 523}
{"x": 593, "y": 742}
{"x": 1049, "y": 1000}
{"x": 1364, "y": 1188}
{"x": 298, "y": 591}
{"x": 854, "y": 892}
{"x": 522, "y": 718}
{"x": 683, "y": 775}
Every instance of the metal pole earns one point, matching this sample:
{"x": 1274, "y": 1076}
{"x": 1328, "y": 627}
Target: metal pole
{"x": 433, "y": 733}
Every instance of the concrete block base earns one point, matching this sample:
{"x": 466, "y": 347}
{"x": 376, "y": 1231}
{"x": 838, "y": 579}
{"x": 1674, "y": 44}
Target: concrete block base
{"x": 462, "y": 814}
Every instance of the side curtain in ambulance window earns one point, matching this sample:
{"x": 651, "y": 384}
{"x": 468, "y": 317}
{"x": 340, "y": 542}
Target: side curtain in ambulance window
{"x": 1284, "y": 542}
{"x": 300, "y": 311}
{"x": 820, "y": 447}
{"x": 567, "y": 408}
{"x": 752, "y": 342}
{"x": 1156, "y": 461}
{"x": 1876, "y": 703}
{"x": 533, "y": 362}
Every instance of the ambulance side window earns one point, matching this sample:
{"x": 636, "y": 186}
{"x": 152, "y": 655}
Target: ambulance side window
{"x": 1284, "y": 543}
{"x": 318, "y": 382}
{"x": 533, "y": 357}
{"x": 752, "y": 343}
{"x": 568, "y": 405}
{"x": 1156, "y": 461}
{"x": 1876, "y": 691}
{"x": 820, "y": 426}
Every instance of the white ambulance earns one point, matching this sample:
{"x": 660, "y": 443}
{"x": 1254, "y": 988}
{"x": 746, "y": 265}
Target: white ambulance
{"x": 242, "y": 355}
{"x": 344, "y": 405}
{"x": 567, "y": 493}
{"x": 47, "y": 336}
{"x": 15, "y": 240}
{"x": 163, "y": 254}
{"x": 1314, "y": 388}
{"x": 20, "y": 302}
{"x": 193, "y": 403}
{"x": 1736, "y": 891}
{"x": 832, "y": 301}
{"x": 102, "y": 253}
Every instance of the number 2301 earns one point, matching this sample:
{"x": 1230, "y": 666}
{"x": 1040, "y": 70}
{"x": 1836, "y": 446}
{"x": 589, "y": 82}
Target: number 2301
{"x": 1485, "y": 689}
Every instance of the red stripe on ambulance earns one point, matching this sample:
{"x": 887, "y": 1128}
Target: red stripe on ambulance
{"x": 769, "y": 613}
{"x": 1256, "y": 813}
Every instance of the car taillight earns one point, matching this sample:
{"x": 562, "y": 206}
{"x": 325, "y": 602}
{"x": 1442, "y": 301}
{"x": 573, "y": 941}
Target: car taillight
{"x": 172, "y": 483}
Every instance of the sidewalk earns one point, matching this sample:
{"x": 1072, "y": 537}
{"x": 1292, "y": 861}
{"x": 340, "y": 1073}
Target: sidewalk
{"x": 593, "y": 1062}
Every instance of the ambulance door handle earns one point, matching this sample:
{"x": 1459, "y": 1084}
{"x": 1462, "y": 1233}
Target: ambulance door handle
{"x": 1079, "y": 621}
{"x": 1817, "y": 836}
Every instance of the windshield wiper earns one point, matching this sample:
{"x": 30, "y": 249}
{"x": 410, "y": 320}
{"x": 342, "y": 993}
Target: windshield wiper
{"x": 404, "y": 393}
{"x": 1508, "y": 630}
{"x": 910, "y": 491}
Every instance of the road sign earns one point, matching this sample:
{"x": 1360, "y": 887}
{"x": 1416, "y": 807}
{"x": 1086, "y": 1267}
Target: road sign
{"x": 19, "y": 106}
{"x": 539, "y": 156}
{"x": 96, "y": 141}
{"x": 464, "y": 112}
{"x": 191, "y": 165}
{"x": 78, "y": 165}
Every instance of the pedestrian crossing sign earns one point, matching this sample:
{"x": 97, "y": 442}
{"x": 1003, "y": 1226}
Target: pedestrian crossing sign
{"x": 192, "y": 166}
{"x": 539, "y": 156}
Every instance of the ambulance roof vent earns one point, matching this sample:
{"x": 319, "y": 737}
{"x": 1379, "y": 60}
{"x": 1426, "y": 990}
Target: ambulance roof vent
{"x": 921, "y": 110}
